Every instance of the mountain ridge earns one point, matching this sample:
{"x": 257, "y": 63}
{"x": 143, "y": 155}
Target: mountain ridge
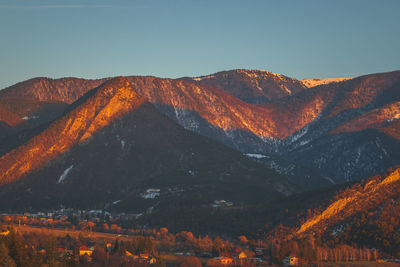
{"x": 76, "y": 127}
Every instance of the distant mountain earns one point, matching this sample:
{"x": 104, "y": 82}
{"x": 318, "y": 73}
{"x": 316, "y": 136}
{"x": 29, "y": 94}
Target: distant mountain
{"x": 344, "y": 129}
{"x": 44, "y": 89}
{"x": 252, "y": 86}
{"x": 112, "y": 147}
{"x": 315, "y": 82}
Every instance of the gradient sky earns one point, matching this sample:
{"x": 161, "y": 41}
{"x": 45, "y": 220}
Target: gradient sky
{"x": 175, "y": 38}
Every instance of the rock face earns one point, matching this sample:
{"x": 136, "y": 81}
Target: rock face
{"x": 111, "y": 145}
{"x": 344, "y": 129}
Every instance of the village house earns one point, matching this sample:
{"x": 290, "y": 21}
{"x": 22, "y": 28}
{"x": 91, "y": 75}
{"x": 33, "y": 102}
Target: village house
{"x": 84, "y": 250}
{"x": 143, "y": 257}
{"x": 293, "y": 261}
{"x": 225, "y": 260}
{"x": 5, "y": 232}
{"x": 130, "y": 255}
{"x": 221, "y": 203}
{"x": 242, "y": 255}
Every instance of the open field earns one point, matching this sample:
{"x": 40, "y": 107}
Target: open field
{"x": 73, "y": 233}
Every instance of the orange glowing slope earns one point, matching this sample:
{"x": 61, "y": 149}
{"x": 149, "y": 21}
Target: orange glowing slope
{"x": 278, "y": 119}
{"x": 106, "y": 103}
{"x": 375, "y": 118}
{"x": 354, "y": 200}
{"x": 215, "y": 106}
{"x": 365, "y": 90}
{"x": 315, "y": 82}
{"x": 220, "y": 98}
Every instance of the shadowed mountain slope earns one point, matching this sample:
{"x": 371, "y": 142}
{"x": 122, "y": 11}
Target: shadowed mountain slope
{"x": 8, "y": 121}
{"x": 8, "y": 117}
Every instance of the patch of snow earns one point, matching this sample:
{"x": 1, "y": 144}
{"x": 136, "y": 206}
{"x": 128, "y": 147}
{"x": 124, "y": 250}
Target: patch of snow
{"x": 314, "y": 82}
{"x": 64, "y": 175}
{"x": 257, "y": 156}
{"x": 276, "y": 167}
{"x": 338, "y": 230}
{"x": 221, "y": 203}
{"x": 305, "y": 142}
{"x": 203, "y": 77}
{"x": 30, "y": 118}
{"x": 151, "y": 193}
{"x": 116, "y": 202}
{"x": 358, "y": 155}
{"x": 185, "y": 119}
{"x": 150, "y": 210}
{"x": 329, "y": 179}
{"x": 393, "y": 119}
{"x": 293, "y": 138}
{"x": 378, "y": 144}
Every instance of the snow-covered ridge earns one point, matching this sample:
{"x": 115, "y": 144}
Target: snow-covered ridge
{"x": 314, "y": 82}
{"x": 203, "y": 77}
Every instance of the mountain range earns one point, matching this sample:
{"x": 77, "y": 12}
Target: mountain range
{"x": 111, "y": 146}
{"x": 247, "y": 136}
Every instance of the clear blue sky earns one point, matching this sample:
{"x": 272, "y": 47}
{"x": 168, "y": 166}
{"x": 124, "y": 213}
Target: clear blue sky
{"x": 168, "y": 38}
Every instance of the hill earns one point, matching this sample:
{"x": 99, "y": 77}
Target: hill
{"x": 365, "y": 214}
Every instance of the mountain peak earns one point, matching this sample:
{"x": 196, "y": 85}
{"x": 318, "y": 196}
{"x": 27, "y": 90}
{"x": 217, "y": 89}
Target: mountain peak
{"x": 252, "y": 86}
{"x": 315, "y": 81}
